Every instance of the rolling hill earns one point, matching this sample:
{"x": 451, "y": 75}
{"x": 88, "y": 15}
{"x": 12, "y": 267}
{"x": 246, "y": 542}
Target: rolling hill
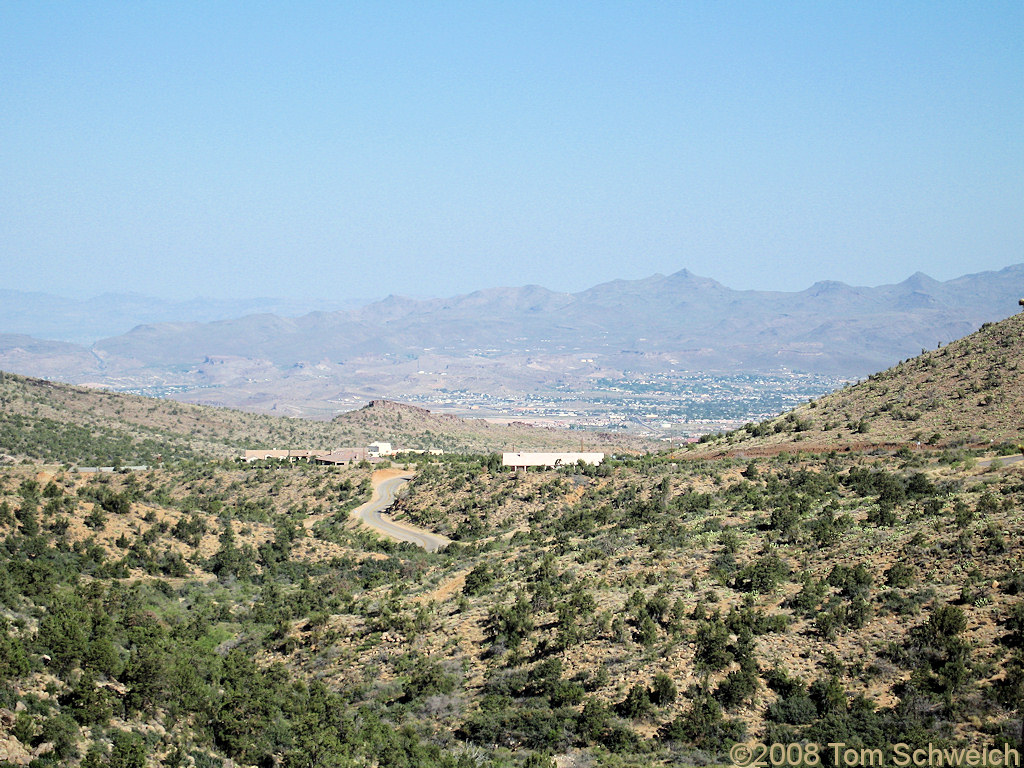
{"x": 78, "y": 425}
{"x": 968, "y": 392}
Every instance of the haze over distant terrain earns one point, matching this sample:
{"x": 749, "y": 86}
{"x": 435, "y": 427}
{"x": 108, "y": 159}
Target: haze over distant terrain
{"x": 655, "y": 353}
{"x": 432, "y": 149}
{"x": 790, "y": 152}
{"x": 85, "y": 320}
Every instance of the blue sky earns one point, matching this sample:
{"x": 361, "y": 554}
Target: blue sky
{"x": 359, "y": 149}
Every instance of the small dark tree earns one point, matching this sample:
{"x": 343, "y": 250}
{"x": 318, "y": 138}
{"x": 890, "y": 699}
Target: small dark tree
{"x": 647, "y": 633}
{"x": 478, "y": 580}
{"x": 739, "y": 686}
{"x": 663, "y": 691}
{"x": 703, "y": 726}
{"x": 713, "y": 644}
{"x": 637, "y": 702}
{"x": 129, "y": 750}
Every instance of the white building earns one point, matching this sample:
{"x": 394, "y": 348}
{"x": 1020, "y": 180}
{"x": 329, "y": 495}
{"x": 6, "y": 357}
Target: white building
{"x": 524, "y": 460}
{"x": 376, "y": 450}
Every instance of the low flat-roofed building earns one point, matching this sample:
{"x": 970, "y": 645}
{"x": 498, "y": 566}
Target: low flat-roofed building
{"x": 525, "y": 460}
{"x": 341, "y": 456}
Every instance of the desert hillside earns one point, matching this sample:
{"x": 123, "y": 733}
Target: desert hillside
{"x": 654, "y": 610}
{"x": 91, "y": 427}
{"x": 968, "y": 392}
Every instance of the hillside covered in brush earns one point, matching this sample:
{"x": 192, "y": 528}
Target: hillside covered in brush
{"x": 651, "y": 611}
{"x": 969, "y": 392}
{"x": 414, "y": 427}
{"x": 78, "y": 425}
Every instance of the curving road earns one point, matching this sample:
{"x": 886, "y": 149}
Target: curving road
{"x": 1003, "y": 460}
{"x": 384, "y": 493}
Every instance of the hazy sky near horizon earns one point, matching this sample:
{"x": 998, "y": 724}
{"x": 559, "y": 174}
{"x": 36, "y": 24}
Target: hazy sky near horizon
{"x": 358, "y": 149}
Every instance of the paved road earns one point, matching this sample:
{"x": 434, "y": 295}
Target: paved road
{"x": 371, "y": 514}
{"x": 1003, "y": 460}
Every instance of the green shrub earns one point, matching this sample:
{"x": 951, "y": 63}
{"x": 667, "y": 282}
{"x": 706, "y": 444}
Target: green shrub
{"x": 663, "y": 690}
{"x": 704, "y": 727}
{"x": 637, "y": 703}
{"x": 478, "y": 580}
{"x": 712, "y": 641}
{"x": 901, "y": 575}
{"x": 763, "y": 575}
{"x": 739, "y": 686}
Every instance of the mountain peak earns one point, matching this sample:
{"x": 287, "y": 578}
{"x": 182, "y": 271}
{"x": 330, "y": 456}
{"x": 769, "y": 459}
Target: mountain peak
{"x": 686, "y": 274}
{"x": 919, "y": 281}
{"x": 831, "y": 288}
{"x": 688, "y": 278}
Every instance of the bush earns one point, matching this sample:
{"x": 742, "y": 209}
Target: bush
{"x": 828, "y": 622}
{"x": 851, "y": 581}
{"x": 713, "y": 645}
{"x": 593, "y": 719}
{"x": 1015, "y": 624}
{"x": 13, "y": 661}
{"x": 901, "y": 575}
{"x": 828, "y": 695}
{"x": 637, "y": 703}
{"x": 739, "y": 686}
{"x": 129, "y": 750}
{"x": 62, "y": 732}
{"x": 806, "y": 601}
{"x": 478, "y": 580}
{"x": 663, "y": 691}
{"x": 704, "y": 727}
{"x": 763, "y": 575}
{"x": 620, "y": 738}
{"x": 510, "y": 624}
{"x": 1009, "y": 690}
{"x": 946, "y": 621}
{"x": 647, "y": 634}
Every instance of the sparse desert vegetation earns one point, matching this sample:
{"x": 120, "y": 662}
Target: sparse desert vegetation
{"x": 653, "y": 610}
{"x": 967, "y": 393}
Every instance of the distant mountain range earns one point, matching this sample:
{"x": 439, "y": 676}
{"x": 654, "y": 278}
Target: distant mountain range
{"x": 518, "y": 340}
{"x": 83, "y": 321}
